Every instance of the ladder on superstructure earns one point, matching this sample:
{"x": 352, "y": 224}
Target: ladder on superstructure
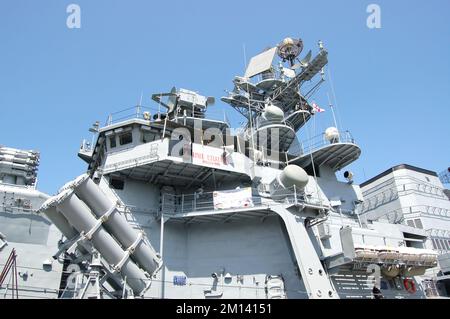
{"x": 11, "y": 265}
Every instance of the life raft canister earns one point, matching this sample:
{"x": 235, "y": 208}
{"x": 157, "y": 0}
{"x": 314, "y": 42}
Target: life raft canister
{"x": 410, "y": 285}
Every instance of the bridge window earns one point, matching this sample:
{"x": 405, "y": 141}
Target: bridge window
{"x": 112, "y": 141}
{"x": 148, "y": 137}
{"x": 126, "y": 138}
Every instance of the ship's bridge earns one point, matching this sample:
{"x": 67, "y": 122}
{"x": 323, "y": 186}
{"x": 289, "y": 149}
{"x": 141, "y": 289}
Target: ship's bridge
{"x": 158, "y": 150}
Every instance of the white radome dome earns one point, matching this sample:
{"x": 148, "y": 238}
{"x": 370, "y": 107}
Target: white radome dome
{"x": 273, "y": 113}
{"x": 293, "y": 175}
{"x": 331, "y": 134}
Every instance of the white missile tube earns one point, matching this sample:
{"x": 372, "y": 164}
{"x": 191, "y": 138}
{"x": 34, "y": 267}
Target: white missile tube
{"x": 58, "y": 220}
{"x": 11, "y": 166}
{"x": 18, "y": 153}
{"x": 80, "y": 217}
{"x": 144, "y": 254}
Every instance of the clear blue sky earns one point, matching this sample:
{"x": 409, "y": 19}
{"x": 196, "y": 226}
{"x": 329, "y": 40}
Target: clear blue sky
{"x": 392, "y": 84}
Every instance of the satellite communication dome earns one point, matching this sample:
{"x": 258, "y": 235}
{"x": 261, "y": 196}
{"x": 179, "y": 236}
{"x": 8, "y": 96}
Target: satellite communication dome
{"x": 331, "y": 134}
{"x": 273, "y": 113}
{"x": 293, "y": 175}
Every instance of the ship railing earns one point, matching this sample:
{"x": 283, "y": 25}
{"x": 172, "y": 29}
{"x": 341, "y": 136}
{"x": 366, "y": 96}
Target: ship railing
{"x": 260, "y": 123}
{"x": 204, "y": 201}
{"x": 20, "y": 186}
{"x": 319, "y": 141}
{"x": 399, "y": 181}
{"x": 343, "y": 217}
{"x": 409, "y": 216}
{"x": 430, "y": 211}
{"x": 214, "y": 115}
{"x": 437, "y": 232}
{"x": 134, "y": 112}
{"x": 440, "y": 239}
{"x": 392, "y": 193}
{"x": 149, "y": 113}
{"x": 396, "y": 216}
{"x": 416, "y": 186}
{"x": 274, "y": 73}
{"x": 86, "y": 146}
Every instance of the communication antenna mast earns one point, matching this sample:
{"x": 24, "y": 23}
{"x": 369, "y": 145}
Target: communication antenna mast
{"x": 332, "y": 110}
{"x": 250, "y": 114}
{"x": 138, "y": 107}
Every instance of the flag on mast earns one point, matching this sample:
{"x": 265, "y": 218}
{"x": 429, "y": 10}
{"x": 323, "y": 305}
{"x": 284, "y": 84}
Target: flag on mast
{"x": 316, "y": 108}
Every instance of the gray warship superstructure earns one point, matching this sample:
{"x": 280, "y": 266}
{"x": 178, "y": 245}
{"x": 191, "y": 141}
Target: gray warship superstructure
{"x": 27, "y": 240}
{"x": 176, "y": 204}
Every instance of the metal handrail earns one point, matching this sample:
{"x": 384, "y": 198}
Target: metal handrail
{"x": 399, "y": 216}
{"x": 86, "y": 146}
{"x": 263, "y": 123}
{"x": 212, "y": 115}
{"x": 134, "y": 112}
{"x": 132, "y": 162}
{"x": 137, "y": 112}
{"x": 438, "y": 232}
{"x": 319, "y": 141}
{"x": 395, "y": 191}
{"x": 17, "y": 186}
{"x": 184, "y": 203}
{"x": 394, "y": 180}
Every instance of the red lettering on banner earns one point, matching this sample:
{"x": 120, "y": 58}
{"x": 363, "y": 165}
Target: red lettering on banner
{"x": 208, "y": 159}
